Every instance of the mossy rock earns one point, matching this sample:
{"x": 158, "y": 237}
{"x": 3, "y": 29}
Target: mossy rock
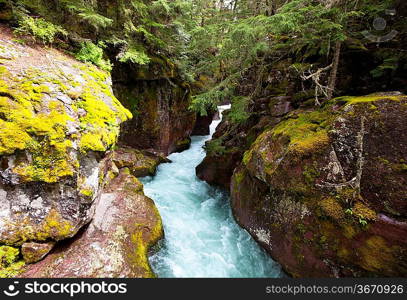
{"x": 57, "y": 119}
{"x": 126, "y": 225}
{"x": 325, "y": 183}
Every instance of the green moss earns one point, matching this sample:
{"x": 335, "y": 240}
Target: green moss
{"x": 23, "y": 129}
{"x": 239, "y": 176}
{"x": 100, "y": 123}
{"x": 140, "y": 255}
{"x": 30, "y": 121}
{"x": 215, "y": 147}
{"x": 399, "y": 167}
{"x": 247, "y": 156}
{"x": 364, "y": 212}
{"x": 183, "y": 142}
{"x": 307, "y": 132}
{"x": 310, "y": 174}
{"x": 369, "y": 98}
{"x": 377, "y": 256}
{"x": 53, "y": 227}
{"x": 332, "y": 208}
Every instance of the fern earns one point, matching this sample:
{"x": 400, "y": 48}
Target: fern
{"x": 87, "y": 14}
{"x": 39, "y": 29}
{"x": 238, "y": 112}
{"x": 92, "y": 53}
{"x": 135, "y": 56}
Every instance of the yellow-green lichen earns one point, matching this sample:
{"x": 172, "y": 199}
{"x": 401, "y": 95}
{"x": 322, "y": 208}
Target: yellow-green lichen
{"x": 87, "y": 193}
{"x": 369, "y": 98}
{"x": 31, "y": 120}
{"x": 10, "y": 264}
{"x": 100, "y": 123}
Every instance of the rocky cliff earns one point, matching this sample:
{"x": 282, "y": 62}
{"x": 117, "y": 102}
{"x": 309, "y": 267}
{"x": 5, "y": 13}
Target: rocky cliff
{"x": 159, "y": 101}
{"x": 59, "y": 122}
{"x": 324, "y": 190}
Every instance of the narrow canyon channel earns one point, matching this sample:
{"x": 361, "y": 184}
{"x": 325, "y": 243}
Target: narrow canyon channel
{"x": 202, "y": 238}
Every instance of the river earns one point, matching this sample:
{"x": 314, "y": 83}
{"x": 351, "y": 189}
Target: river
{"x": 202, "y": 238}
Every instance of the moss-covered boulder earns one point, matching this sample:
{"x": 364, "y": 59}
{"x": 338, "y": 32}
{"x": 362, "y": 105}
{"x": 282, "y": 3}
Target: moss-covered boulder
{"x": 57, "y": 119}
{"x": 126, "y": 224}
{"x": 324, "y": 190}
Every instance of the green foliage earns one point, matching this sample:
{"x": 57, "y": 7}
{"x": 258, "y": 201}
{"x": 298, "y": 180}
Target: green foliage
{"x": 238, "y": 112}
{"x": 215, "y": 147}
{"x": 139, "y": 28}
{"x": 39, "y": 29}
{"x": 135, "y": 56}
{"x": 389, "y": 64}
{"x": 87, "y": 14}
{"x": 92, "y": 53}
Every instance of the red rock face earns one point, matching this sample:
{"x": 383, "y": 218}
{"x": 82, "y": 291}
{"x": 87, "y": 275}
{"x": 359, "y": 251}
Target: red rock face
{"x": 160, "y": 102}
{"x": 202, "y": 124}
{"x": 325, "y": 192}
{"x": 218, "y": 170}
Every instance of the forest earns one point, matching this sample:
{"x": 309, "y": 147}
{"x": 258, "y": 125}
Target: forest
{"x": 282, "y": 122}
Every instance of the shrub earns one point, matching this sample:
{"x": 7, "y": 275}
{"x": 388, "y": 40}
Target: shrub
{"x": 135, "y": 56}
{"x": 92, "y": 53}
{"x": 238, "y": 112}
{"x": 39, "y": 29}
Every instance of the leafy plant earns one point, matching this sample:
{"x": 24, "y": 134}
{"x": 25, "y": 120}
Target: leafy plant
{"x": 92, "y": 53}
{"x": 215, "y": 147}
{"x": 135, "y": 56}
{"x": 87, "y": 13}
{"x": 39, "y": 29}
{"x": 238, "y": 112}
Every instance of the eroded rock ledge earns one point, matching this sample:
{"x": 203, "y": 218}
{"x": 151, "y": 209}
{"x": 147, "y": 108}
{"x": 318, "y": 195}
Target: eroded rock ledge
{"x": 125, "y": 225}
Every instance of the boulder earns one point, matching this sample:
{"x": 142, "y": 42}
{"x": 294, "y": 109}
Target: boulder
{"x": 140, "y": 163}
{"x": 58, "y": 117}
{"x": 125, "y": 225}
{"x": 225, "y": 151}
{"x": 34, "y": 252}
{"x": 324, "y": 190}
{"x": 203, "y": 122}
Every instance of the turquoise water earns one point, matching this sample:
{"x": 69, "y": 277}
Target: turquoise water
{"x": 201, "y": 237}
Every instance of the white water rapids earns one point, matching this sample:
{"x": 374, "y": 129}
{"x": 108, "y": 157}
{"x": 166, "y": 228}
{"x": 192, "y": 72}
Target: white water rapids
{"x": 202, "y": 238}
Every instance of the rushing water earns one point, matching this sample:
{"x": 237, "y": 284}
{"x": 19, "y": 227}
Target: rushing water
{"x": 201, "y": 237}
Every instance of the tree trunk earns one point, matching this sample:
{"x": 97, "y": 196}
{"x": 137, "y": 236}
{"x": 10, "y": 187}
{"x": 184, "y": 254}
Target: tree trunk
{"x": 334, "y": 71}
